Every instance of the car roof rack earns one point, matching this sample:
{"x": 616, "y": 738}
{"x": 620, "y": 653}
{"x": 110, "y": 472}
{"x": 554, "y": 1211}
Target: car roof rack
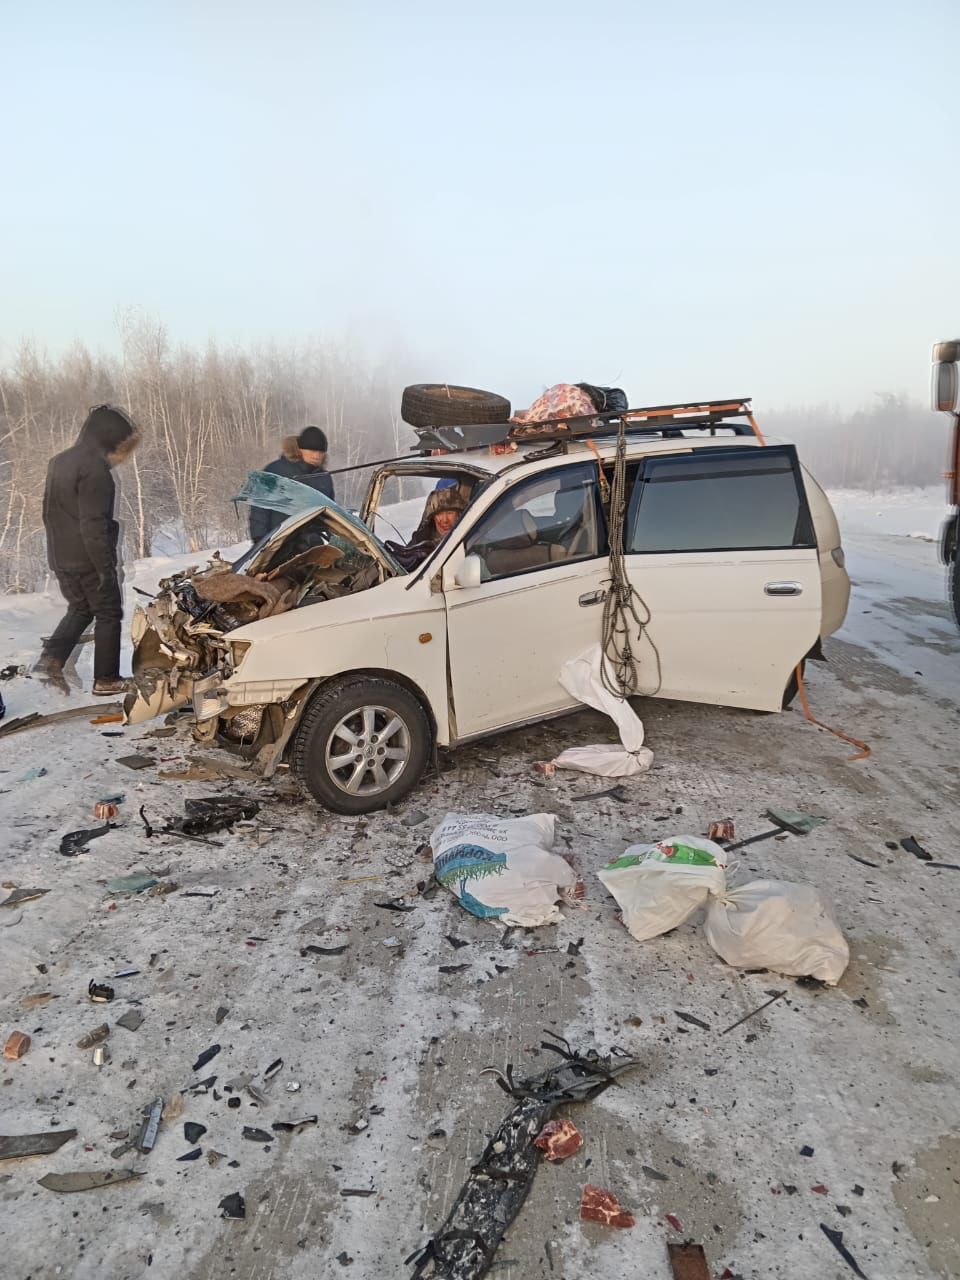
{"x": 666, "y": 420}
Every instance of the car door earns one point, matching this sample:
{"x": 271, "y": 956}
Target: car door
{"x": 542, "y": 548}
{"x": 720, "y": 546}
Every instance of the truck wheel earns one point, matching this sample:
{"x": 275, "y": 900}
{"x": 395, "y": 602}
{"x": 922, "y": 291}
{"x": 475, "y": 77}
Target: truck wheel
{"x": 362, "y": 744}
{"x": 953, "y": 580}
{"x": 437, "y": 404}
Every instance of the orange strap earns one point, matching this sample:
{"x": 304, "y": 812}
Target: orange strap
{"x": 604, "y": 483}
{"x": 756, "y": 430}
{"x": 864, "y": 751}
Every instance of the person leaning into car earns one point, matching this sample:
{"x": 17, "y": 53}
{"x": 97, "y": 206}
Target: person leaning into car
{"x": 302, "y": 458}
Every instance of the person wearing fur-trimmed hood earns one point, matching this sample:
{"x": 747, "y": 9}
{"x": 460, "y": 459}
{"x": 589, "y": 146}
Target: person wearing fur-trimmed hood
{"x": 82, "y": 545}
{"x": 302, "y": 458}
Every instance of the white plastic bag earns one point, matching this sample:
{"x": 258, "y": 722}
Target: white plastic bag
{"x": 658, "y": 886}
{"x": 582, "y": 680}
{"x": 501, "y": 868}
{"x": 773, "y": 924}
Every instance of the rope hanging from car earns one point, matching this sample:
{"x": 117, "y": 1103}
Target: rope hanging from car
{"x": 625, "y": 612}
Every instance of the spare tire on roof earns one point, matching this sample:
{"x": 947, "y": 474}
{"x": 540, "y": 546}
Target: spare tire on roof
{"x": 440, "y": 404}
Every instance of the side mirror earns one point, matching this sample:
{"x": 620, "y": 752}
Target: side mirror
{"x": 945, "y": 388}
{"x": 470, "y": 572}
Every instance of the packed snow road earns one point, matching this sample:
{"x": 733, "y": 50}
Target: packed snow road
{"x": 385, "y": 1024}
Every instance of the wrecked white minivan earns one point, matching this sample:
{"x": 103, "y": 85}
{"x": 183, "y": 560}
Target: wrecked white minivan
{"x": 319, "y": 650}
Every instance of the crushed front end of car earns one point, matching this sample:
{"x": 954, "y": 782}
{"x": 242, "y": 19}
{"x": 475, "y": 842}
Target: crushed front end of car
{"x": 183, "y": 652}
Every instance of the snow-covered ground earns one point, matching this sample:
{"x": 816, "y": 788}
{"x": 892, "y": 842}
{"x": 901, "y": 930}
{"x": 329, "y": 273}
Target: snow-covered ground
{"x": 907, "y": 513}
{"x": 386, "y": 1047}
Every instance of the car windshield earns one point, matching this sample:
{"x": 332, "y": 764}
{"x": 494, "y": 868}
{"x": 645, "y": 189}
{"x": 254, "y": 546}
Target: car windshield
{"x": 402, "y": 505}
{"x": 291, "y": 499}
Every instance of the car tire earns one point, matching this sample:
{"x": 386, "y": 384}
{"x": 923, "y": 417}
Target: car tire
{"x": 953, "y": 584}
{"x": 378, "y": 729}
{"x": 437, "y": 404}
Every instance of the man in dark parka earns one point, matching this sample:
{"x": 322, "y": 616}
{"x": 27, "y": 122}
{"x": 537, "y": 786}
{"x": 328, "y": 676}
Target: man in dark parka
{"x": 302, "y": 458}
{"x": 82, "y": 537}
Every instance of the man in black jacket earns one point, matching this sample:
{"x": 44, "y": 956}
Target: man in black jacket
{"x": 82, "y": 540}
{"x": 301, "y": 459}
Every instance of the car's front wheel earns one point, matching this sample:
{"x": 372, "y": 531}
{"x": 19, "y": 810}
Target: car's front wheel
{"x": 362, "y": 744}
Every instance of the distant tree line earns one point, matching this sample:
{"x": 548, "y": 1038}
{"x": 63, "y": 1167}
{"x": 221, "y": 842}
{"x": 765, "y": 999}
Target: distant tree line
{"x": 894, "y": 443}
{"x": 206, "y": 419}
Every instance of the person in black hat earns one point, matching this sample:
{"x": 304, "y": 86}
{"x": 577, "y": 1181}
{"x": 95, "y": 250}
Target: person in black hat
{"x": 302, "y": 458}
{"x": 82, "y": 537}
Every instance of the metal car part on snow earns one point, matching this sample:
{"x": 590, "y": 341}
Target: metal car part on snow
{"x": 498, "y": 1184}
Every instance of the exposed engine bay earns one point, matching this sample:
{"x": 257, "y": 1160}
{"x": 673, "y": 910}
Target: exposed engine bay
{"x": 181, "y": 638}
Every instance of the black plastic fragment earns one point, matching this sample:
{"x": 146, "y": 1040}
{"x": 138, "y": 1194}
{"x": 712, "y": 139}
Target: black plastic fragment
{"x": 806, "y": 1151}
{"x": 256, "y": 1135}
{"x": 208, "y": 814}
{"x": 195, "y": 1154}
{"x": 17, "y": 1146}
{"x": 313, "y": 950}
{"x": 99, "y": 992}
{"x": 358, "y": 1191}
{"x": 206, "y": 1056}
{"x": 694, "y": 1022}
{"x": 193, "y": 1132}
{"x": 396, "y": 904}
{"x": 864, "y": 862}
{"x": 75, "y": 842}
{"x": 293, "y": 1126}
{"x": 233, "y": 1206}
{"x": 573, "y": 948}
{"x": 836, "y": 1239}
{"x": 456, "y": 942}
{"x": 136, "y": 762}
{"x": 453, "y": 968}
{"x": 910, "y": 845}
{"x": 273, "y": 1068}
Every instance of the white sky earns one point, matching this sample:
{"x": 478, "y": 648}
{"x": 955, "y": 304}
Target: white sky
{"x": 746, "y": 198}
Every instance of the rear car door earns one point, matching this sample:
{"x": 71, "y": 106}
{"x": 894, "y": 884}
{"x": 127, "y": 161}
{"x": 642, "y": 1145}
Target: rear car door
{"x": 720, "y": 545}
{"x": 542, "y": 546}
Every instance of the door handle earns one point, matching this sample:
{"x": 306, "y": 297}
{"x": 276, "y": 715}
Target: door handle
{"x": 593, "y": 597}
{"x": 783, "y": 589}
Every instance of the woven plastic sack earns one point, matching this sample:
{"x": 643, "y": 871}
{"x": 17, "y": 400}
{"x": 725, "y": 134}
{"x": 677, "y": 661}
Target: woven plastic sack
{"x": 773, "y": 924}
{"x": 581, "y": 677}
{"x": 502, "y": 868}
{"x": 659, "y": 886}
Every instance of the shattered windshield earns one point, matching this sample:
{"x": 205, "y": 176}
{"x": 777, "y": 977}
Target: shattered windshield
{"x": 289, "y": 498}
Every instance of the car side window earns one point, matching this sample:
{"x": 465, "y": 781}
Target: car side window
{"x": 552, "y": 518}
{"x": 719, "y": 500}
